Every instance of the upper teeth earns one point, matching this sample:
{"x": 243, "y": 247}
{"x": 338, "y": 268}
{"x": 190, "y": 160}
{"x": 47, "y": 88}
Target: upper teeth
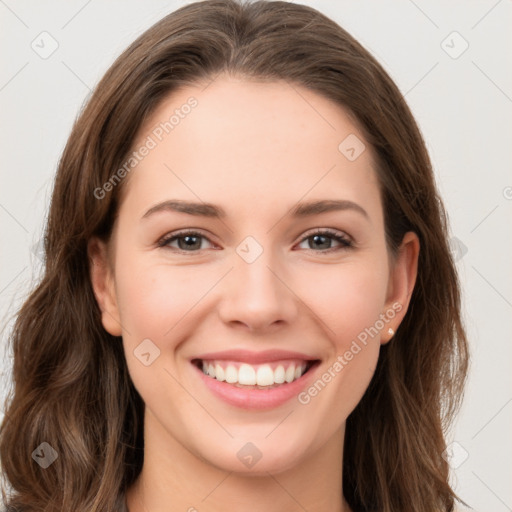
{"x": 252, "y": 375}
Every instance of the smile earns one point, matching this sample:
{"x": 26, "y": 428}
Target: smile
{"x": 263, "y": 375}
{"x": 255, "y": 381}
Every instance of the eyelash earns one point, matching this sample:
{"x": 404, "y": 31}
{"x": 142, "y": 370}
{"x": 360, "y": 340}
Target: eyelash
{"x": 345, "y": 242}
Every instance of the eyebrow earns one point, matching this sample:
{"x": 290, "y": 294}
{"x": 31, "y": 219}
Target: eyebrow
{"x": 217, "y": 212}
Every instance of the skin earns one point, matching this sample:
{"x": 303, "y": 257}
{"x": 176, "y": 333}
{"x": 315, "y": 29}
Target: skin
{"x": 248, "y": 147}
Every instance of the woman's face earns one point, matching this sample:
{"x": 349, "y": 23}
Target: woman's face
{"x": 253, "y": 295}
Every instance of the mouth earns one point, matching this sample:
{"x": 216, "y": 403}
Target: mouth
{"x": 249, "y": 380}
{"x": 255, "y": 376}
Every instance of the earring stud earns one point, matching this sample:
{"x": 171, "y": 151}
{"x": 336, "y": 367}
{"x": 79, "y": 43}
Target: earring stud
{"x": 391, "y": 332}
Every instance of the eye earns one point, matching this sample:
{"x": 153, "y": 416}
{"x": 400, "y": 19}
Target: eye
{"x": 188, "y": 241}
{"x": 322, "y": 238}
{"x": 191, "y": 241}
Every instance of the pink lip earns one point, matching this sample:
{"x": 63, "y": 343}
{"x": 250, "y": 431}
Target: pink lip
{"x": 246, "y": 356}
{"x": 251, "y": 399}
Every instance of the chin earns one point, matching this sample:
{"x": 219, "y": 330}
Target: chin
{"x": 256, "y": 456}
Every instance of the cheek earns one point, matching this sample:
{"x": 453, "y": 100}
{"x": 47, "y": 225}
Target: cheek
{"x": 348, "y": 377}
{"x": 348, "y": 300}
{"x": 349, "y": 310}
{"x": 156, "y": 303}
{"x": 152, "y": 298}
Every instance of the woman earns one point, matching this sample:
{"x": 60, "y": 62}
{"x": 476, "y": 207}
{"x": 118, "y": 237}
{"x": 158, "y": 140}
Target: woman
{"x": 190, "y": 347}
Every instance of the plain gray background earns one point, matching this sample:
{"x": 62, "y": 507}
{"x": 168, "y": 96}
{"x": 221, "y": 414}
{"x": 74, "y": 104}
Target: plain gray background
{"x": 461, "y": 98}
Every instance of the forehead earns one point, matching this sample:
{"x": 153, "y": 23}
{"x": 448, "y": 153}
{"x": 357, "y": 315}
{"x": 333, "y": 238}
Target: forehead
{"x": 253, "y": 142}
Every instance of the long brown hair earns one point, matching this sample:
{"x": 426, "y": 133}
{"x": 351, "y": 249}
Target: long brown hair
{"x": 71, "y": 387}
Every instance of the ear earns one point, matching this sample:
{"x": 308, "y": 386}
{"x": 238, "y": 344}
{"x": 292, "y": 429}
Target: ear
{"x": 402, "y": 279}
{"x": 102, "y": 281}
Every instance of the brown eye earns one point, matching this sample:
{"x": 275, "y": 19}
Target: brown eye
{"x": 322, "y": 240}
{"x": 188, "y": 241}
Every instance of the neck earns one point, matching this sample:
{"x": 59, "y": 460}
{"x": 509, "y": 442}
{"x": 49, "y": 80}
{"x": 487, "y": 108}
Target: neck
{"x": 174, "y": 479}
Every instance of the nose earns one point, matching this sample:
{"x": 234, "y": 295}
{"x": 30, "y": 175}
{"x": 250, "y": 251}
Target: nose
{"x": 258, "y": 295}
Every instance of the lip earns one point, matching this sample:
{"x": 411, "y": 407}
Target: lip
{"x": 247, "y": 356}
{"x": 256, "y": 399}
